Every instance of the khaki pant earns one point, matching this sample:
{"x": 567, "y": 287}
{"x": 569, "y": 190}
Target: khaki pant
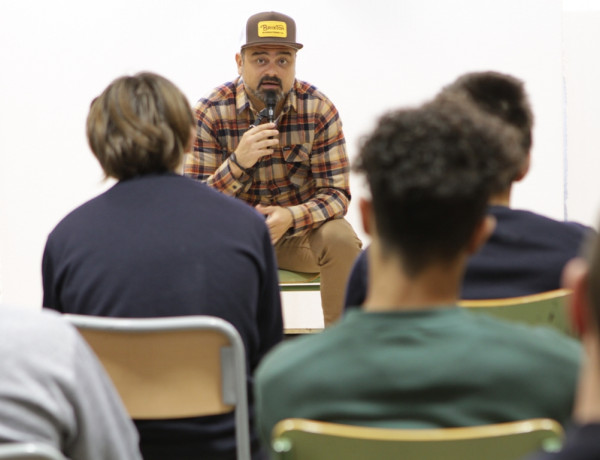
{"x": 330, "y": 250}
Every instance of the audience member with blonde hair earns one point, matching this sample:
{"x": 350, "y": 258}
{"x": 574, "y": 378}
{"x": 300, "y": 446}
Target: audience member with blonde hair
{"x": 159, "y": 244}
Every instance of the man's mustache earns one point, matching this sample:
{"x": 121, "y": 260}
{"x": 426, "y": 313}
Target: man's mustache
{"x": 272, "y": 80}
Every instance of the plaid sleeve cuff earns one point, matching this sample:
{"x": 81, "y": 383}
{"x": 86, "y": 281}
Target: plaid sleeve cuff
{"x": 302, "y": 220}
{"x": 226, "y": 182}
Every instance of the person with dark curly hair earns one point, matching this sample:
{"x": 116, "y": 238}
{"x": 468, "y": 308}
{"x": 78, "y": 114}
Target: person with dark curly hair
{"x": 526, "y": 252}
{"x": 411, "y": 357}
{"x": 137, "y": 251}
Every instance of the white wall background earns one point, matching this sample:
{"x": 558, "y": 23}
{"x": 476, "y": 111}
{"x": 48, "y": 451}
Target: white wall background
{"x": 368, "y": 57}
{"x": 581, "y": 41}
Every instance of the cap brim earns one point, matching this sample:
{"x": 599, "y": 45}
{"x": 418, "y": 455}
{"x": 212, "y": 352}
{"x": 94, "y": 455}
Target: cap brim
{"x": 295, "y": 46}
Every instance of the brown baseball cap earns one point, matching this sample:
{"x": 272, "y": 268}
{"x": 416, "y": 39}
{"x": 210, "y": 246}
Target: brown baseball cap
{"x": 270, "y": 28}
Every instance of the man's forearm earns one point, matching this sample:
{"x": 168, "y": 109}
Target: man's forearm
{"x": 327, "y": 204}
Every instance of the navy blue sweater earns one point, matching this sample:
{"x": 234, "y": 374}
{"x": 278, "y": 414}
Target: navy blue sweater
{"x": 525, "y": 255}
{"x": 166, "y": 245}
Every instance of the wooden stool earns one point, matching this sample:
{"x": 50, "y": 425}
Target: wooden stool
{"x": 299, "y": 281}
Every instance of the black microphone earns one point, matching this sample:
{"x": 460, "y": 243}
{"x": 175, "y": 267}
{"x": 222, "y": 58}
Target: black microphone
{"x": 259, "y": 118}
{"x": 271, "y": 100}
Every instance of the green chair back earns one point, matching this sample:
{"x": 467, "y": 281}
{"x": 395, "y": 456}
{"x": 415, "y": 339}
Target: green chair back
{"x": 301, "y": 439}
{"x": 547, "y": 308}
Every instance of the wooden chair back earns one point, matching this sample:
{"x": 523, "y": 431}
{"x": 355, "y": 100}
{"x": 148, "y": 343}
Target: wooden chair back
{"x": 165, "y": 368}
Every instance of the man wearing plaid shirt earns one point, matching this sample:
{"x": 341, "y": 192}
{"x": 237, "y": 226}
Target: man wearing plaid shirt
{"x": 293, "y": 170}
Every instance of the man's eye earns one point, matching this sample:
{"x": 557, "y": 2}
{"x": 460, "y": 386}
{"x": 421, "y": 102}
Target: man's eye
{"x": 260, "y": 61}
{"x": 283, "y": 61}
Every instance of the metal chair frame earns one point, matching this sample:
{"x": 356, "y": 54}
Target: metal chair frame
{"x": 29, "y": 451}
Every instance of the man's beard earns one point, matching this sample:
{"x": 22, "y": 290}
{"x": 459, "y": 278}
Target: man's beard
{"x": 265, "y": 94}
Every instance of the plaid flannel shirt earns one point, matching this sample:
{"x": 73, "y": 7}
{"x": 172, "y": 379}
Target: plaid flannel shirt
{"x": 308, "y": 173}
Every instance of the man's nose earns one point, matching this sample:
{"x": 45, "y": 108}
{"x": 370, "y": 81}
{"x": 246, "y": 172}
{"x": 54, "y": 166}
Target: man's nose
{"x": 272, "y": 70}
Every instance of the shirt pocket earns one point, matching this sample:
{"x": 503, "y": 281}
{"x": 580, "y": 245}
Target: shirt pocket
{"x": 296, "y": 159}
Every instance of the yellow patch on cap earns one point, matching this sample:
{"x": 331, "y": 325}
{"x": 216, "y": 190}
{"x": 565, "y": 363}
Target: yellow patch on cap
{"x": 272, "y": 29}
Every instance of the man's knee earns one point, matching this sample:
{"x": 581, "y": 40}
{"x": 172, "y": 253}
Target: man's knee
{"x": 339, "y": 234}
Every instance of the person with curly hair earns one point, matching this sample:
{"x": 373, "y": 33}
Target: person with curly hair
{"x": 411, "y": 357}
{"x": 526, "y": 252}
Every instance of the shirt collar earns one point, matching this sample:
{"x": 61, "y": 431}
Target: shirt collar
{"x": 242, "y": 102}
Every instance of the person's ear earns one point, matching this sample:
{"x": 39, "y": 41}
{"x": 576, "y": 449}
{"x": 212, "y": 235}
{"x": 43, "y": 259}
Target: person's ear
{"x": 481, "y": 234}
{"x": 575, "y": 278}
{"x": 366, "y": 215}
{"x": 524, "y": 168}
{"x": 239, "y": 62}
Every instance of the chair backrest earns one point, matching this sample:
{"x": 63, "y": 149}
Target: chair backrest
{"x": 547, "y": 308}
{"x": 29, "y": 451}
{"x": 174, "y": 367}
{"x": 301, "y": 439}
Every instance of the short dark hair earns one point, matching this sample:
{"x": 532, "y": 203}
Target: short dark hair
{"x": 139, "y": 125}
{"x": 502, "y": 96}
{"x": 429, "y": 178}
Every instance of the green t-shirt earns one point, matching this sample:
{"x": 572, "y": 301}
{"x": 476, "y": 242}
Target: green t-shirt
{"x": 424, "y": 368}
